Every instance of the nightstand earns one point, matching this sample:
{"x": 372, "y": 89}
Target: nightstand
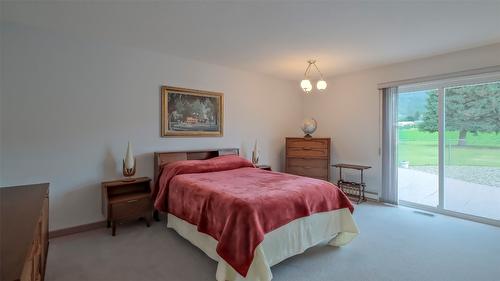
{"x": 126, "y": 199}
{"x": 264, "y": 167}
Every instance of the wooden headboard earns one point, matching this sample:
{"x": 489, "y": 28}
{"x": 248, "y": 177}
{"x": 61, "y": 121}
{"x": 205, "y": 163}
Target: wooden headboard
{"x": 161, "y": 158}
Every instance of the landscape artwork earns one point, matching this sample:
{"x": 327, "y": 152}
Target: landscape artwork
{"x": 188, "y": 112}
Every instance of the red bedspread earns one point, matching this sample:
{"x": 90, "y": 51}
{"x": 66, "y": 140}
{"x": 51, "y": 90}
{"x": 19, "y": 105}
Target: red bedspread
{"x": 235, "y": 203}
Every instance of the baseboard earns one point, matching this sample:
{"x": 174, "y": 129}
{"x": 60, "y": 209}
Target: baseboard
{"x": 76, "y": 229}
{"x": 372, "y": 196}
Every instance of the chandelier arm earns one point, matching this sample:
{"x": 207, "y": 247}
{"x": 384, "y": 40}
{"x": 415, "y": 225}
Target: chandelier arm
{"x": 321, "y": 74}
{"x": 307, "y": 69}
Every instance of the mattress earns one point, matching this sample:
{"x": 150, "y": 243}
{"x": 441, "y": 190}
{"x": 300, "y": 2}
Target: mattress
{"x": 337, "y": 228}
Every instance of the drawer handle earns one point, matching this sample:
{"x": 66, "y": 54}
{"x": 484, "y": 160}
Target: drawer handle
{"x": 307, "y": 148}
{"x": 132, "y": 201}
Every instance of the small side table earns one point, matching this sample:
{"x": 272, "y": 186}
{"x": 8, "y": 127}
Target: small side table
{"x": 264, "y": 167}
{"x": 350, "y": 187}
{"x": 126, "y": 199}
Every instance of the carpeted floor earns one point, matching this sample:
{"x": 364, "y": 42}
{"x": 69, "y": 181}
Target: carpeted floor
{"x": 395, "y": 243}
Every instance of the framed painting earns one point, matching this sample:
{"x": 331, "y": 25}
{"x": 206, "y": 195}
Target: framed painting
{"x": 188, "y": 112}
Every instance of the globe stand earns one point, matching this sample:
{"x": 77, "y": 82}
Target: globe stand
{"x": 308, "y": 136}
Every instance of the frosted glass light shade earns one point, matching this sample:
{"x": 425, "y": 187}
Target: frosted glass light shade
{"x": 306, "y": 85}
{"x": 321, "y": 85}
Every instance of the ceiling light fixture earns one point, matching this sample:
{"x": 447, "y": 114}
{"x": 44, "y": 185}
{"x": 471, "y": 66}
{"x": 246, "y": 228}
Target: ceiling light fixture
{"x": 306, "y": 85}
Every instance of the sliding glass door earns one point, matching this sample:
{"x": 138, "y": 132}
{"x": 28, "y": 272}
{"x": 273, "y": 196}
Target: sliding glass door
{"x": 448, "y": 147}
{"x": 418, "y": 159}
{"x": 472, "y": 149}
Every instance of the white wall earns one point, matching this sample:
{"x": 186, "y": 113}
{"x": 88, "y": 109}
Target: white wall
{"x": 1, "y": 83}
{"x": 349, "y": 110}
{"x": 70, "y": 106}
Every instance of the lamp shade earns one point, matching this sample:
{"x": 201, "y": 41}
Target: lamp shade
{"x": 306, "y": 85}
{"x": 321, "y": 85}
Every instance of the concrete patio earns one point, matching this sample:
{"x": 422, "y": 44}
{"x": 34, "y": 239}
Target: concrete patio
{"x": 460, "y": 196}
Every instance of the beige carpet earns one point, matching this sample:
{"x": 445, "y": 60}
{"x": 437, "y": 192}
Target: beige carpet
{"x": 395, "y": 244}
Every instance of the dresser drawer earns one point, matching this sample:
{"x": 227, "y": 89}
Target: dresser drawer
{"x": 306, "y": 152}
{"x": 319, "y": 177}
{"x": 131, "y": 208}
{"x": 31, "y": 269}
{"x": 307, "y": 163}
{"x": 308, "y": 171}
{"x": 307, "y": 144}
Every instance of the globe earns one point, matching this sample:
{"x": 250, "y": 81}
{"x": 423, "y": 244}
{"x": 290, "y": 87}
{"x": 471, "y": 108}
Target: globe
{"x": 309, "y": 125}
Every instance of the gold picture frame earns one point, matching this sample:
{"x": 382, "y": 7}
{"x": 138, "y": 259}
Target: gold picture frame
{"x": 191, "y": 113}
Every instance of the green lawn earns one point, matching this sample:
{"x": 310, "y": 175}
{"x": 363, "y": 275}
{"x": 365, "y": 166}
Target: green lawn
{"x": 421, "y": 149}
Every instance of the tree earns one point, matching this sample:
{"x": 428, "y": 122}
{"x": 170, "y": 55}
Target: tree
{"x": 472, "y": 108}
{"x": 430, "y": 119}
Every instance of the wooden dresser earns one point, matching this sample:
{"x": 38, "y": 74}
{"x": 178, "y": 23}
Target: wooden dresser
{"x": 24, "y": 232}
{"x": 309, "y": 157}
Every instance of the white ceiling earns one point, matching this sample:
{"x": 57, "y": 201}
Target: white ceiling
{"x": 276, "y": 38}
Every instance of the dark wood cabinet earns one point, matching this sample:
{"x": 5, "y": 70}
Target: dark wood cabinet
{"x": 126, "y": 199}
{"x": 309, "y": 157}
{"x": 24, "y": 232}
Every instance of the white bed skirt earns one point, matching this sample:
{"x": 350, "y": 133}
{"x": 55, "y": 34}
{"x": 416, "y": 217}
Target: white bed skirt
{"x": 337, "y": 227}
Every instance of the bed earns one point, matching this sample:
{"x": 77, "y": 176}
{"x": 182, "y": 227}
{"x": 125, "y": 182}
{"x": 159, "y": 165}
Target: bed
{"x": 247, "y": 219}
